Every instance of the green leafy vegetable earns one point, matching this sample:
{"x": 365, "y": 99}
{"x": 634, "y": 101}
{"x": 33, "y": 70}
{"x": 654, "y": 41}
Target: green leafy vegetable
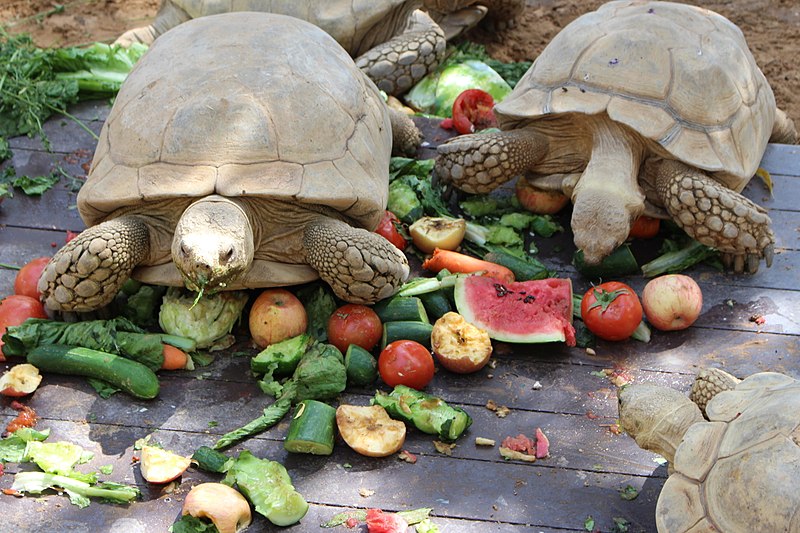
{"x": 79, "y": 492}
{"x": 118, "y": 336}
{"x": 35, "y": 186}
{"x": 629, "y": 493}
{"x": 192, "y": 524}
{"x": 678, "y": 258}
{"x": 59, "y": 458}
{"x": 12, "y": 448}
{"x": 320, "y": 303}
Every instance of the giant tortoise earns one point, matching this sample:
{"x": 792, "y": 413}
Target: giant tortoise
{"x": 738, "y": 471}
{"x": 638, "y": 108}
{"x": 259, "y": 159}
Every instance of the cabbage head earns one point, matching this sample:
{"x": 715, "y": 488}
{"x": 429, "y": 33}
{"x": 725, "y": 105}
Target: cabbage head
{"x": 208, "y": 321}
{"x": 436, "y": 92}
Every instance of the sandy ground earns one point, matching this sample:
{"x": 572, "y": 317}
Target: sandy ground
{"x": 772, "y": 29}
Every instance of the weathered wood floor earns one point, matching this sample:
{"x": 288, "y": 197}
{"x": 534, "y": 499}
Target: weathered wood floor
{"x": 472, "y": 491}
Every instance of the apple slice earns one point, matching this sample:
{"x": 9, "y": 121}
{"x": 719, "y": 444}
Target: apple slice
{"x": 161, "y": 466}
{"x": 20, "y": 381}
{"x": 458, "y": 345}
{"x": 369, "y": 430}
{"x": 429, "y": 233}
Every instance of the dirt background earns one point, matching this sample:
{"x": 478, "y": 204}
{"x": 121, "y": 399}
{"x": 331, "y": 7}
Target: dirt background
{"x": 772, "y": 29}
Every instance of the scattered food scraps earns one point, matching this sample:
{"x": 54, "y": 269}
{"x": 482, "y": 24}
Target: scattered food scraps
{"x": 758, "y": 319}
{"x": 512, "y": 455}
{"x": 25, "y": 419}
{"x": 365, "y": 493}
{"x": 482, "y": 441}
{"x": 444, "y": 447}
{"x": 407, "y": 456}
{"x": 500, "y": 410}
{"x": 524, "y": 448}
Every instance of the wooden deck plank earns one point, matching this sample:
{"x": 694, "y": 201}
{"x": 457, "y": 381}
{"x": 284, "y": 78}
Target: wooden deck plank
{"x": 559, "y": 389}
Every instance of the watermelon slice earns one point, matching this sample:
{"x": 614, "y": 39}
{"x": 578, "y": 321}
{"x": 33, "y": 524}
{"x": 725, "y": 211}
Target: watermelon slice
{"x": 523, "y": 311}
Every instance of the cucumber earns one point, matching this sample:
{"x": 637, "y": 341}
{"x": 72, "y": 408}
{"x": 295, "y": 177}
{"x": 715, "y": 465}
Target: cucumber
{"x": 361, "y": 366}
{"x": 211, "y": 460}
{"x": 283, "y": 356}
{"x": 620, "y": 263}
{"x": 401, "y": 308}
{"x": 125, "y": 374}
{"x": 436, "y": 304}
{"x": 523, "y": 269}
{"x": 312, "y": 429}
{"x": 406, "y": 330}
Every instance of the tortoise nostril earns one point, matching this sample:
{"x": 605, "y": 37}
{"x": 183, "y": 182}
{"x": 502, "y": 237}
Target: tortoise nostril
{"x": 226, "y": 255}
{"x": 184, "y": 249}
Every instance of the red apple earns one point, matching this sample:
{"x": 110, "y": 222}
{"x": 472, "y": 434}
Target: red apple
{"x": 161, "y": 466}
{"x": 276, "y": 315}
{"x": 539, "y": 201}
{"x": 672, "y": 302}
{"x": 20, "y": 381}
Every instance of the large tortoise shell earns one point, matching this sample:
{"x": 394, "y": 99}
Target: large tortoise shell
{"x": 269, "y": 106}
{"x": 679, "y": 75}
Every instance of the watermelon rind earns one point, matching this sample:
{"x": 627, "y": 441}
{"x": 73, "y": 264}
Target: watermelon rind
{"x": 533, "y": 311}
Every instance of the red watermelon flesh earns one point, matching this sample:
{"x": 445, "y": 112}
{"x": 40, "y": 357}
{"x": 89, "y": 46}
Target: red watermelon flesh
{"x": 523, "y": 311}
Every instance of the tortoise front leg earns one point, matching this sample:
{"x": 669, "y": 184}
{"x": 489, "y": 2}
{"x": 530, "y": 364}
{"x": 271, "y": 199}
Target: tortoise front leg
{"x": 89, "y": 270}
{"x": 360, "y": 266}
{"x": 405, "y": 134}
{"x": 708, "y": 383}
{"x": 399, "y": 63}
{"x": 715, "y": 215}
{"x": 480, "y": 162}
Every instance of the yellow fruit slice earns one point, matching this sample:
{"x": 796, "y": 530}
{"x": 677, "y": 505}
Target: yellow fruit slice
{"x": 429, "y": 233}
{"x": 160, "y": 466}
{"x": 369, "y": 430}
{"x": 458, "y": 345}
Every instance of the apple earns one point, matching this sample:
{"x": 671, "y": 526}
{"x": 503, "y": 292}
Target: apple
{"x": 539, "y": 201}
{"x": 161, "y": 466}
{"x": 429, "y": 233}
{"x": 672, "y": 302}
{"x": 221, "y": 504}
{"x": 459, "y": 346}
{"x": 20, "y": 381}
{"x": 276, "y": 315}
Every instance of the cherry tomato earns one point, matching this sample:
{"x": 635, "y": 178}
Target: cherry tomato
{"x": 381, "y": 522}
{"x": 472, "y": 111}
{"x": 645, "y": 228}
{"x": 28, "y": 277}
{"x": 389, "y": 228}
{"x": 406, "y": 363}
{"x": 354, "y": 324}
{"x": 16, "y": 309}
{"x": 611, "y": 310}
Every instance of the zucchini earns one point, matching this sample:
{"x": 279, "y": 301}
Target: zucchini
{"x": 211, "y": 460}
{"x": 436, "y": 303}
{"x": 401, "y": 308}
{"x": 312, "y": 429}
{"x": 125, "y": 374}
{"x": 523, "y": 269}
{"x": 406, "y": 330}
{"x": 361, "y": 366}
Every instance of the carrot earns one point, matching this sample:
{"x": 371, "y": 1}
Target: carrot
{"x": 174, "y": 358}
{"x": 459, "y": 263}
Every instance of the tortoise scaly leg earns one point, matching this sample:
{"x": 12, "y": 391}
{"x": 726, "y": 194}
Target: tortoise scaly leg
{"x": 708, "y": 383}
{"x": 169, "y": 15}
{"x": 360, "y": 266}
{"x": 479, "y": 163}
{"x": 405, "y": 134}
{"x": 89, "y": 270}
{"x": 457, "y": 21}
{"x": 715, "y": 215}
{"x": 783, "y": 130}
{"x": 399, "y": 63}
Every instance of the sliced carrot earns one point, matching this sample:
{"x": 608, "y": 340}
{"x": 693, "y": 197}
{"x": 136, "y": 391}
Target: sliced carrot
{"x": 459, "y": 263}
{"x": 174, "y": 358}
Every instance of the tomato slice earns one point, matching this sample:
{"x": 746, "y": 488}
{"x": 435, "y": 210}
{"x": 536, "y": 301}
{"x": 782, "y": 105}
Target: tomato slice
{"x": 472, "y": 111}
{"x": 389, "y": 229}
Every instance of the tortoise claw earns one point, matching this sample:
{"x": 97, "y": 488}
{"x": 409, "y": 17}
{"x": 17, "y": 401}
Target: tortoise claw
{"x": 752, "y": 263}
{"x": 769, "y": 254}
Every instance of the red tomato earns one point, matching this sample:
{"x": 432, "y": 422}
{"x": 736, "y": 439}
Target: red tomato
{"x": 406, "y": 363}
{"x": 16, "y": 309}
{"x": 380, "y": 522}
{"x": 611, "y": 310}
{"x": 28, "y": 277}
{"x": 645, "y": 228}
{"x": 472, "y": 111}
{"x": 354, "y": 324}
{"x": 388, "y": 228}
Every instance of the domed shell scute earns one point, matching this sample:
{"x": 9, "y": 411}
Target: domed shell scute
{"x": 684, "y": 79}
{"x": 304, "y": 125}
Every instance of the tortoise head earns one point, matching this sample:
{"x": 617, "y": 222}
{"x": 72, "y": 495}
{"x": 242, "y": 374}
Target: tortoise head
{"x": 213, "y": 244}
{"x": 657, "y": 417}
